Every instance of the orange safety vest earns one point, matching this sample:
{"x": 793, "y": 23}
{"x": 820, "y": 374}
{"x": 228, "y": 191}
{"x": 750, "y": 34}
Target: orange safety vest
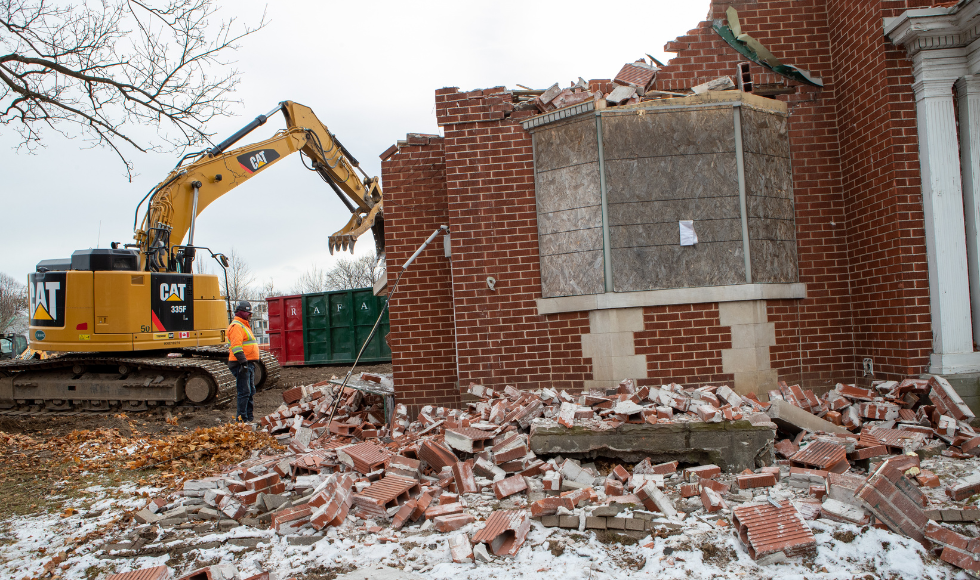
{"x": 242, "y": 340}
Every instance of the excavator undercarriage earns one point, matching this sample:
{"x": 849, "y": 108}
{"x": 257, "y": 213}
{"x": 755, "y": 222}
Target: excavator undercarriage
{"x": 77, "y": 382}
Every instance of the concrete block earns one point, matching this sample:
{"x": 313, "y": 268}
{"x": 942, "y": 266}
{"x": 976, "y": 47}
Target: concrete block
{"x": 550, "y": 521}
{"x": 740, "y": 360}
{"x": 616, "y": 320}
{"x": 795, "y": 419}
{"x": 608, "y": 344}
{"x": 595, "y": 523}
{"x": 637, "y": 525}
{"x": 144, "y": 516}
{"x": 569, "y": 522}
{"x": 303, "y": 540}
{"x": 616, "y": 523}
{"x": 742, "y": 312}
{"x": 758, "y": 382}
{"x": 732, "y": 445}
{"x": 754, "y": 334}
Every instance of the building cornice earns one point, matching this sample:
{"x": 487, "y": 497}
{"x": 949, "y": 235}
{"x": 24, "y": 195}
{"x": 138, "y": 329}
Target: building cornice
{"x": 935, "y": 28}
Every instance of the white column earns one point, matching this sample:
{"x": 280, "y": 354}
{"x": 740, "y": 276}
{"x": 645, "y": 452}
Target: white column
{"x": 942, "y": 203}
{"x": 968, "y": 94}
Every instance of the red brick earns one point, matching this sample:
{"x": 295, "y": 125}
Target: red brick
{"x": 756, "y": 480}
{"x": 509, "y": 486}
{"x": 453, "y": 522}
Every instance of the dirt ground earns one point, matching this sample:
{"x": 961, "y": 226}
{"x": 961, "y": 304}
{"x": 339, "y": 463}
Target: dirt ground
{"x": 33, "y": 482}
{"x": 155, "y": 421}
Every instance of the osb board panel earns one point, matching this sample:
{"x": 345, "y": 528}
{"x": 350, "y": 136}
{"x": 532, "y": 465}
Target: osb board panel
{"x": 570, "y": 219}
{"x": 573, "y": 274}
{"x": 768, "y": 176}
{"x": 571, "y": 241}
{"x": 654, "y": 267}
{"x": 656, "y": 212}
{"x": 565, "y": 145}
{"x": 773, "y": 262}
{"x": 759, "y": 206}
{"x": 672, "y": 177}
{"x": 662, "y": 133}
{"x": 765, "y": 133}
{"x": 775, "y": 230}
{"x": 668, "y": 233}
{"x": 567, "y": 188}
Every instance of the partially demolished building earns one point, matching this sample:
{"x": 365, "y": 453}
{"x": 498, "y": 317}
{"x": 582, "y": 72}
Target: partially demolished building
{"x": 829, "y": 220}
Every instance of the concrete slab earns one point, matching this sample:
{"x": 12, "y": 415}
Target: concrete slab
{"x": 733, "y": 445}
{"x": 794, "y": 419}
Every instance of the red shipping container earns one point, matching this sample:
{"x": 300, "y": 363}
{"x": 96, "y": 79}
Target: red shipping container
{"x": 286, "y": 329}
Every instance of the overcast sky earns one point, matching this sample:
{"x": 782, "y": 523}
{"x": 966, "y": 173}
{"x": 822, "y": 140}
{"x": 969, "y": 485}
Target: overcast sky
{"x": 369, "y": 71}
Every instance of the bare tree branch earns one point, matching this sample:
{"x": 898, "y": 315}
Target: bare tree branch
{"x": 102, "y": 68}
{"x": 347, "y": 274}
{"x": 240, "y": 279}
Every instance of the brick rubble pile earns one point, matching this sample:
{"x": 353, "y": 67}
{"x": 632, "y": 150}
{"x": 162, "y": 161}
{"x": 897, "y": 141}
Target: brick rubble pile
{"x": 632, "y": 84}
{"x": 852, "y": 455}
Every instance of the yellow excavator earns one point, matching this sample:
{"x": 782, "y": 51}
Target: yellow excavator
{"x": 134, "y": 325}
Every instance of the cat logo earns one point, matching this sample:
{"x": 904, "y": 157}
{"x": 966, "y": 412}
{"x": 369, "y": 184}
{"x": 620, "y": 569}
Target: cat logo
{"x": 44, "y": 301}
{"x": 172, "y": 292}
{"x": 256, "y": 160}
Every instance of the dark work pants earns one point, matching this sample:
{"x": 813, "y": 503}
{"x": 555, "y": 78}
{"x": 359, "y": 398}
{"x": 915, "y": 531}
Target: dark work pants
{"x": 245, "y": 383}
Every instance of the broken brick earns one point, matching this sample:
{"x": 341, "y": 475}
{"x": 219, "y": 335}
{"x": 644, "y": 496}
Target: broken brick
{"x": 822, "y": 455}
{"x": 463, "y": 475}
{"x": 756, "y": 480}
{"x": 894, "y": 500}
{"x": 509, "y": 486}
{"x": 154, "y": 573}
{"x": 785, "y": 448}
{"x": 504, "y": 532}
{"x": 453, "y": 522}
{"x": 766, "y": 529}
{"x": 947, "y": 401}
{"x": 460, "y": 548}
{"x": 701, "y": 472}
{"x": 436, "y": 455}
{"x": 449, "y": 509}
{"x": 964, "y": 488}
{"x": 711, "y": 500}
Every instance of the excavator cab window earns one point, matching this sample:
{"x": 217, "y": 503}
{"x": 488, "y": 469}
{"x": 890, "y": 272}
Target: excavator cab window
{"x": 6, "y": 346}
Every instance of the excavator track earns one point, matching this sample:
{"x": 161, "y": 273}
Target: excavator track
{"x": 77, "y": 383}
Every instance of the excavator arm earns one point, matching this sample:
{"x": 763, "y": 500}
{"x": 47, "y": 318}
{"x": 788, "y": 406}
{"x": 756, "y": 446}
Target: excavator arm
{"x": 201, "y": 178}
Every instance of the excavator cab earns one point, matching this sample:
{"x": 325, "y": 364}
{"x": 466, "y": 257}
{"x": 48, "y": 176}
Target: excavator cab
{"x": 12, "y": 345}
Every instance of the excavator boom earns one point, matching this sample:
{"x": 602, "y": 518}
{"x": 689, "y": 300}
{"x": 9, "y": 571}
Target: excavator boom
{"x": 189, "y": 189}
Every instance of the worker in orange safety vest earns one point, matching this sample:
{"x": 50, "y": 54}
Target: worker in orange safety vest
{"x": 243, "y": 351}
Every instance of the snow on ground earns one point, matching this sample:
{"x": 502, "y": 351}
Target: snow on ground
{"x": 697, "y": 551}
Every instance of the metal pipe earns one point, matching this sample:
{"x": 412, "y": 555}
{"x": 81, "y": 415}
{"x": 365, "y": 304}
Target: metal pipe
{"x": 257, "y": 122}
{"x": 197, "y": 193}
{"x": 424, "y": 244}
{"x": 740, "y": 163}
{"x": 607, "y": 271}
{"x": 340, "y": 391}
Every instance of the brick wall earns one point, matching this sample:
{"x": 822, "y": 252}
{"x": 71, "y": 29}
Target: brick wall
{"x": 856, "y": 183}
{"x": 858, "y": 214}
{"x": 882, "y": 189}
{"x": 448, "y": 326}
{"x": 683, "y": 344}
{"x": 422, "y": 338}
{"x": 501, "y": 339}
